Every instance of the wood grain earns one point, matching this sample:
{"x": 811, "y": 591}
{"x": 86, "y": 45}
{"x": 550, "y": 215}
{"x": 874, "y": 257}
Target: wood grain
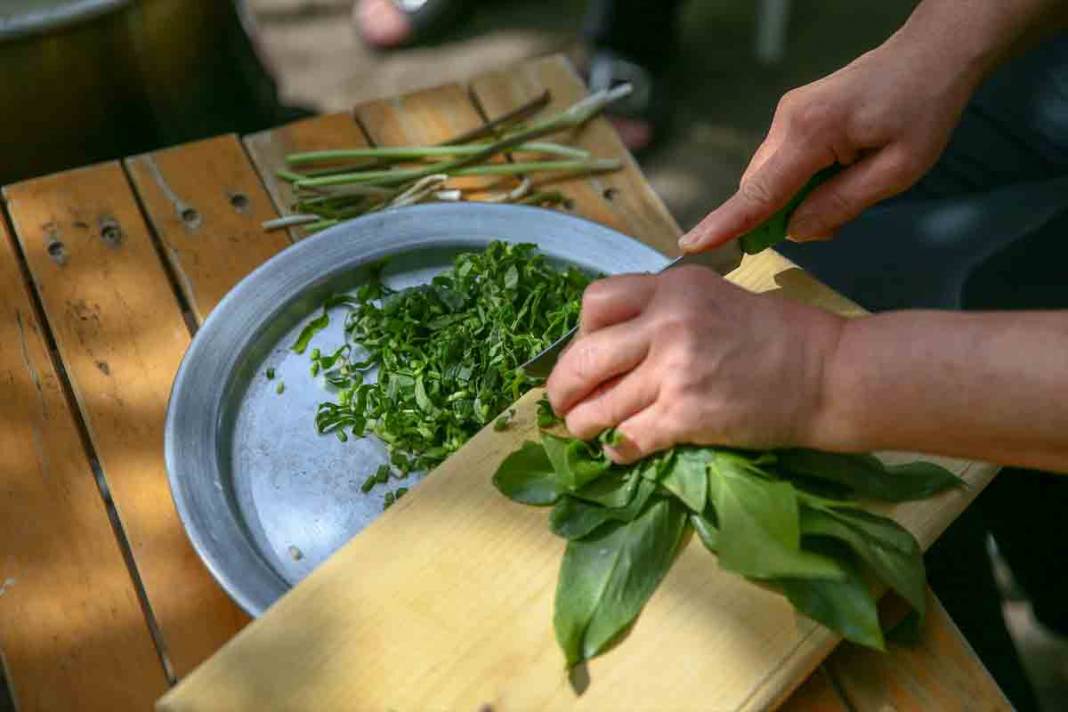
{"x": 121, "y": 335}
{"x": 206, "y": 205}
{"x": 268, "y": 150}
{"x": 71, "y": 628}
{"x": 939, "y": 673}
{"x": 622, "y": 199}
{"x": 461, "y": 619}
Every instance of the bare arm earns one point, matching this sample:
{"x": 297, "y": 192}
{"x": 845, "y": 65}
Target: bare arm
{"x": 887, "y": 116}
{"x": 990, "y": 386}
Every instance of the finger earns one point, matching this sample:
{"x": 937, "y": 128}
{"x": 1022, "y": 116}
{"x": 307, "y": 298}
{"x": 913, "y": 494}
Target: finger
{"x": 610, "y": 301}
{"x": 592, "y": 360}
{"x": 641, "y": 435}
{"x": 612, "y": 403}
{"x": 762, "y": 193}
{"x": 851, "y": 192}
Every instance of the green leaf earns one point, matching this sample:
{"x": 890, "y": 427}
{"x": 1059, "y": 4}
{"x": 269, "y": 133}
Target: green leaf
{"x": 615, "y": 489}
{"x": 886, "y": 547}
{"x": 527, "y": 476}
{"x": 845, "y": 606}
{"x": 421, "y": 398}
{"x": 575, "y": 462}
{"x": 314, "y": 327}
{"x": 759, "y": 524}
{"x": 706, "y": 532}
{"x": 686, "y": 476}
{"x": 868, "y": 477}
{"x": 606, "y": 579}
{"x": 573, "y": 519}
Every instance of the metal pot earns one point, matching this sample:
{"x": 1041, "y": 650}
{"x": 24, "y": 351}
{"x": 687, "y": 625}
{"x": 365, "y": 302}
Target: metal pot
{"x": 88, "y": 80}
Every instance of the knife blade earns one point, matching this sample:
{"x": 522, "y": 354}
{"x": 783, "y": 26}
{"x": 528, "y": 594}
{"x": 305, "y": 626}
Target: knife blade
{"x": 542, "y": 365}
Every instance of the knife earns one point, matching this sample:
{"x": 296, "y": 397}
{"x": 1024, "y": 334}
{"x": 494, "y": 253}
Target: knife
{"x": 768, "y": 233}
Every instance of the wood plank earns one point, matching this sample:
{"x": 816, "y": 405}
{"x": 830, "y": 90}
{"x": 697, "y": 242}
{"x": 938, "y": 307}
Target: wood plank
{"x": 71, "y": 628}
{"x": 121, "y": 335}
{"x": 623, "y": 199}
{"x": 424, "y": 118}
{"x": 206, "y": 205}
{"x": 269, "y": 148}
{"x": 941, "y": 672}
{"x": 817, "y": 694}
{"x": 462, "y": 618}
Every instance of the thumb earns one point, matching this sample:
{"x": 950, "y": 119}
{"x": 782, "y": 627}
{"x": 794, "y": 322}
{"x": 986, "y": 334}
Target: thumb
{"x": 848, "y": 194}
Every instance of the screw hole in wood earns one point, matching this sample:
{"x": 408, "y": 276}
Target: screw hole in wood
{"x": 57, "y": 251}
{"x": 610, "y": 194}
{"x": 110, "y": 231}
{"x": 190, "y": 217}
{"x": 239, "y": 201}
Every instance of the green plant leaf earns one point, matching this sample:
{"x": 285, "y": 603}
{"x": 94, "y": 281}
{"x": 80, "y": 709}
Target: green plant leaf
{"x": 613, "y": 489}
{"x": 527, "y": 476}
{"x": 308, "y": 332}
{"x": 576, "y": 462}
{"x": 606, "y": 579}
{"x": 845, "y": 606}
{"x": 686, "y": 476}
{"x": 759, "y": 525}
{"x": 573, "y": 519}
{"x": 868, "y": 477}
{"x": 887, "y": 548}
{"x": 707, "y": 532}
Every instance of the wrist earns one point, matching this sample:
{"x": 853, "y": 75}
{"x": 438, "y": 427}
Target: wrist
{"x": 832, "y": 423}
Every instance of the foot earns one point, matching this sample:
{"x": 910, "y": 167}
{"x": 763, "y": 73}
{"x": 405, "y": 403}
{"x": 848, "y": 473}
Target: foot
{"x": 639, "y": 117}
{"x": 382, "y": 23}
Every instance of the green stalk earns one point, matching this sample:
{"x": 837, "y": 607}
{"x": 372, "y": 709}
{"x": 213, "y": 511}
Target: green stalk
{"x": 416, "y": 152}
{"x": 576, "y": 115}
{"x": 403, "y": 175}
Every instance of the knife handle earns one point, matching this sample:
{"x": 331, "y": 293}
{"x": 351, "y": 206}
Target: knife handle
{"x": 773, "y": 231}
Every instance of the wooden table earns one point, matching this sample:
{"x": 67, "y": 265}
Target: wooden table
{"x": 105, "y": 273}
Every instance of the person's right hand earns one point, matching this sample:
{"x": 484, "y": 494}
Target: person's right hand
{"x": 886, "y": 116}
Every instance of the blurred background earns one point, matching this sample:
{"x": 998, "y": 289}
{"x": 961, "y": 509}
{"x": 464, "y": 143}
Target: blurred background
{"x": 89, "y": 80}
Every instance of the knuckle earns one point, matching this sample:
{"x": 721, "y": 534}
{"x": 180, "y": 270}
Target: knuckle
{"x": 756, "y": 192}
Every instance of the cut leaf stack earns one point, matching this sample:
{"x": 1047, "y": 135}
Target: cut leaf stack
{"x": 790, "y": 520}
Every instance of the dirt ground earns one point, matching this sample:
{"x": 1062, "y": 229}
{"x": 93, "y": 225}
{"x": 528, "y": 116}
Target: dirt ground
{"x": 722, "y": 100}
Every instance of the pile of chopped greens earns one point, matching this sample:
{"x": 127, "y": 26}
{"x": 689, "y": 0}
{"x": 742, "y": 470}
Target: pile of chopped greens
{"x": 789, "y": 519}
{"x": 446, "y": 354}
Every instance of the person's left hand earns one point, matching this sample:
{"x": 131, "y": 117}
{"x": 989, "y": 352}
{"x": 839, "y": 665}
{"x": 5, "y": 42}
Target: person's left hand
{"x": 686, "y": 357}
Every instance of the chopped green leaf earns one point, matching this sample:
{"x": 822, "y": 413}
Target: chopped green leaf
{"x": 270, "y": 374}
{"x": 308, "y": 332}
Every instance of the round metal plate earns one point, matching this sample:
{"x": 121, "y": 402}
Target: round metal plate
{"x": 263, "y": 497}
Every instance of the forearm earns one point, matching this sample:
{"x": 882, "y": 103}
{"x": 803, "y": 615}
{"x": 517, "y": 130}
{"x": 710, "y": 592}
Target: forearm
{"x": 969, "y": 38}
{"x": 989, "y": 386}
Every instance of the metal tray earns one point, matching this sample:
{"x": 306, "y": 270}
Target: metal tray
{"x": 263, "y": 497}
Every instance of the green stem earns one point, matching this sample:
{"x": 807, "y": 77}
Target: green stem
{"x": 415, "y": 152}
{"x": 393, "y": 177}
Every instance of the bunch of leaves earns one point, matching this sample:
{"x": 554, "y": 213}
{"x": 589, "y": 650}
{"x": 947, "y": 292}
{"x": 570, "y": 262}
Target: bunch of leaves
{"x": 790, "y": 520}
{"x": 425, "y": 368}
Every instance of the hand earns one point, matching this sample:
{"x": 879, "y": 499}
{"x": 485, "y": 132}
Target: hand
{"x": 887, "y": 116}
{"x": 686, "y": 357}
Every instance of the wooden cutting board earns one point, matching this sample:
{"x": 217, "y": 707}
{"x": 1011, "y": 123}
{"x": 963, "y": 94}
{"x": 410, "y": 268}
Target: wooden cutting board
{"x": 446, "y": 602}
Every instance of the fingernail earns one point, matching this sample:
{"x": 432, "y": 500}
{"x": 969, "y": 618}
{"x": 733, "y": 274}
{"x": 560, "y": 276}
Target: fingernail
{"x": 687, "y": 241}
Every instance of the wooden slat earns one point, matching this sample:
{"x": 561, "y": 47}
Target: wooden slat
{"x": 817, "y": 694}
{"x": 462, "y": 618}
{"x": 425, "y": 118}
{"x": 121, "y": 335}
{"x": 622, "y": 199}
{"x": 206, "y": 205}
{"x": 71, "y": 628}
{"x": 939, "y": 673}
{"x": 269, "y": 148}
